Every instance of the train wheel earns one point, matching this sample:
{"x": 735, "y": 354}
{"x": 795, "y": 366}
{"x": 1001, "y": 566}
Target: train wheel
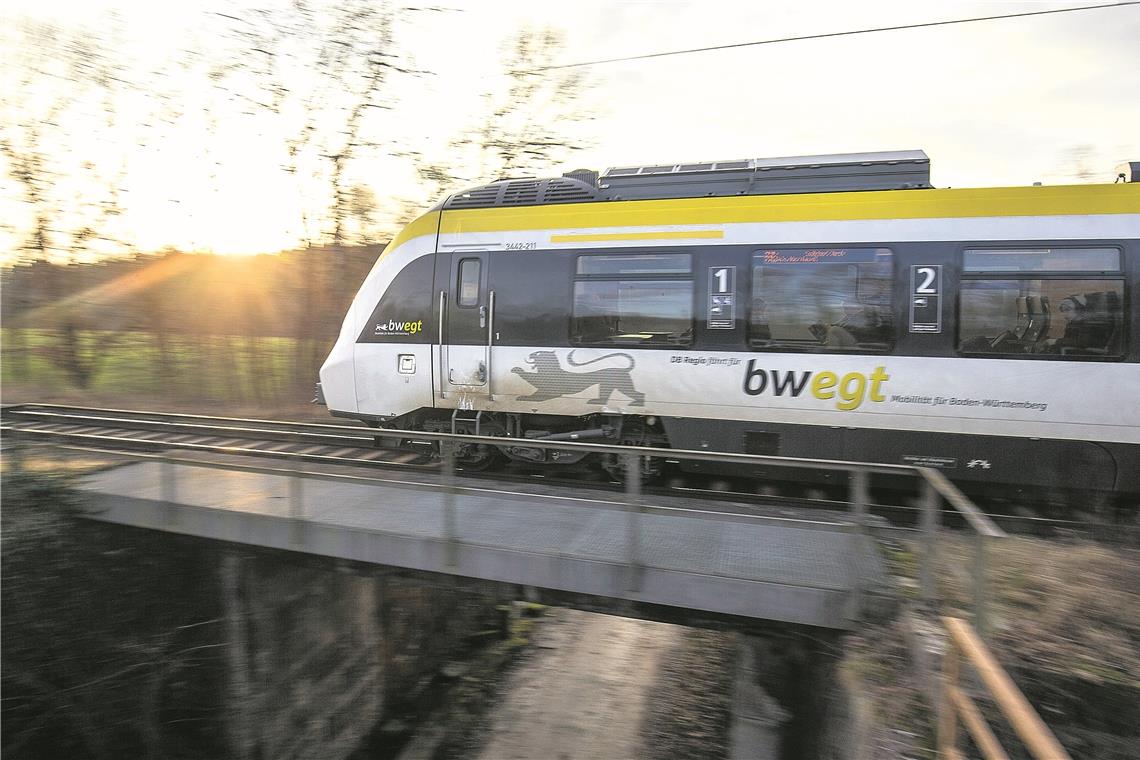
{"x": 478, "y": 457}
{"x": 615, "y": 467}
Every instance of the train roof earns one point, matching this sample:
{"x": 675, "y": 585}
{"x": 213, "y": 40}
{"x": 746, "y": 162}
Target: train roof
{"x": 790, "y": 175}
{"x": 889, "y": 170}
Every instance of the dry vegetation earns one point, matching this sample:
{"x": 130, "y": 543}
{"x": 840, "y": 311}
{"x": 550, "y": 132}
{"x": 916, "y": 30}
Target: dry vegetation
{"x": 1065, "y": 624}
{"x": 1069, "y": 608}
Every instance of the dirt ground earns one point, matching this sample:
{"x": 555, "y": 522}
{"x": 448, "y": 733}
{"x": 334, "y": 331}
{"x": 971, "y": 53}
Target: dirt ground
{"x": 582, "y": 695}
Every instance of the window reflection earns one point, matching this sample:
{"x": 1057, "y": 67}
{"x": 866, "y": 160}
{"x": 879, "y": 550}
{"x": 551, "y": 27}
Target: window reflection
{"x": 633, "y": 299}
{"x": 633, "y": 312}
{"x": 822, "y": 300}
{"x": 1058, "y": 317}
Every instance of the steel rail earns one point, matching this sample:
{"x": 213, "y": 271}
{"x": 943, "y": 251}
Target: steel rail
{"x": 66, "y": 412}
{"x": 794, "y": 522}
{"x": 28, "y": 408}
{"x": 937, "y": 481}
{"x": 178, "y": 426}
{"x": 599, "y": 448}
{"x": 208, "y": 447}
{"x": 729, "y": 496}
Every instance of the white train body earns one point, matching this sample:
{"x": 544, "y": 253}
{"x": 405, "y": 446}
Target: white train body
{"x": 919, "y": 325}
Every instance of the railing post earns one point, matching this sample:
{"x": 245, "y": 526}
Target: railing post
{"x": 296, "y": 507}
{"x": 981, "y": 612}
{"x": 168, "y": 484}
{"x": 947, "y": 740}
{"x": 450, "y": 528}
{"x": 15, "y": 452}
{"x": 633, "y": 523}
{"x": 860, "y": 498}
{"x": 931, "y": 501}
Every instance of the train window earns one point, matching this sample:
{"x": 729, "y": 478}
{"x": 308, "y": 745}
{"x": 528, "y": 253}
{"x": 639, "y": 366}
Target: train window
{"x": 1042, "y": 260}
{"x": 639, "y": 312}
{"x": 1056, "y": 318}
{"x": 642, "y": 264}
{"x": 1041, "y": 301}
{"x": 822, "y": 300}
{"x": 637, "y": 299}
{"x": 468, "y": 283}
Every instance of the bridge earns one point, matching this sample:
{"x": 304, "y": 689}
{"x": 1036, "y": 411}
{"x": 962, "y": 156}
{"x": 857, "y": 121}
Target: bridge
{"x": 669, "y": 556}
{"x": 665, "y": 551}
{"x": 681, "y": 556}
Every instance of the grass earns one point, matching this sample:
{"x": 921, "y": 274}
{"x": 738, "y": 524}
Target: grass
{"x": 129, "y": 365}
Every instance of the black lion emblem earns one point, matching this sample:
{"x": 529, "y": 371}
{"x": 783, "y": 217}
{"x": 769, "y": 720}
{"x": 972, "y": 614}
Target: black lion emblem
{"x": 550, "y": 380}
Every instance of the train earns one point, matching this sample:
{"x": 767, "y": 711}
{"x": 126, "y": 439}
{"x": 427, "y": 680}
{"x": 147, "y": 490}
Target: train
{"x": 831, "y": 307}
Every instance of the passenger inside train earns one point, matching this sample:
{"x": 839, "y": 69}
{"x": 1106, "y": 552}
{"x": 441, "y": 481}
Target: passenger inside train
{"x": 1083, "y": 324}
{"x": 1088, "y": 323}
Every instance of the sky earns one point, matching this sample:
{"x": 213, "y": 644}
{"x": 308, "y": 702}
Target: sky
{"x": 1049, "y": 99}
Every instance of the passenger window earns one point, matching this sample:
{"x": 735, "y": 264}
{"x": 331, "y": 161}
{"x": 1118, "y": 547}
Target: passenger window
{"x": 1057, "y": 318}
{"x": 822, "y": 300}
{"x": 660, "y": 263}
{"x": 638, "y": 300}
{"x": 1042, "y": 260}
{"x": 468, "y": 282}
{"x": 1016, "y": 302}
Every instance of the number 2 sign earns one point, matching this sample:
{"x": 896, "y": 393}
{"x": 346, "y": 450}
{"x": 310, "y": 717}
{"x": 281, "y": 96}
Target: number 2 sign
{"x": 926, "y": 298}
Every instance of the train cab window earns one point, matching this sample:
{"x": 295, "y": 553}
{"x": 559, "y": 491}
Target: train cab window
{"x": 468, "y": 283}
{"x": 1048, "y": 303}
{"x": 822, "y": 300}
{"x": 638, "y": 299}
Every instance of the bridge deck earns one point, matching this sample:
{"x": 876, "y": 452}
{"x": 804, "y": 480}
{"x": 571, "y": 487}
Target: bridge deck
{"x": 800, "y": 571}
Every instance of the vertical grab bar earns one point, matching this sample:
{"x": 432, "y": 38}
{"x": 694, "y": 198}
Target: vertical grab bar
{"x": 490, "y": 342}
{"x": 442, "y": 311}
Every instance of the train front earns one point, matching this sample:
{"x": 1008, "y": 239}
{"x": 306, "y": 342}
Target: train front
{"x": 380, "y": 366}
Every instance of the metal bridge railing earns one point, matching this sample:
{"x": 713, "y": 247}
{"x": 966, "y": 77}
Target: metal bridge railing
{"x": 933, "y": 485}
{"x": 955, "y": 703}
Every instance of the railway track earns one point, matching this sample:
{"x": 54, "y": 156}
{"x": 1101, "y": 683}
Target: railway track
{"x": 355, "y": 445}
{"x": 157, "y": 431}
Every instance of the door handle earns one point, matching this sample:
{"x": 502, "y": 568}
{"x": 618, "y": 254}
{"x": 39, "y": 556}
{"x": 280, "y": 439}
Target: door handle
{"x": 482, "y": 316}
{"x": 442, "y": 314}
{"x": 490, "y": 341}
{"x": 482, "y": 372}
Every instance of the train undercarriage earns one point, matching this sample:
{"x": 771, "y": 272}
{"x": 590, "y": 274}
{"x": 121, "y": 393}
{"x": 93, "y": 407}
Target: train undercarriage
{"x": 655, "y": 432}
{"x": 617, "y": 430}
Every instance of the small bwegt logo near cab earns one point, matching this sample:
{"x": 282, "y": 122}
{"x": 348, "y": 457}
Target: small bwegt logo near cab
{"x": 393, "y": 327}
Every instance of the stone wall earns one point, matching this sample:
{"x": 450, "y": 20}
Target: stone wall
{"x": 317, "y": 654}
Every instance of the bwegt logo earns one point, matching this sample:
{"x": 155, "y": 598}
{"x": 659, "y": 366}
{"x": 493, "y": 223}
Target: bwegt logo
{"x": 848, "y": 391}
{"x": 399, "y": 328}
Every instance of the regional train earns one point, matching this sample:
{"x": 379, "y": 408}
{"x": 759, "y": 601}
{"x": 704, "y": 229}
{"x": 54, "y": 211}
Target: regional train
{"x": 833, "y": 307}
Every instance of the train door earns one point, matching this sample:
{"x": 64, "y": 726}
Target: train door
{"x": 466, "y": 304}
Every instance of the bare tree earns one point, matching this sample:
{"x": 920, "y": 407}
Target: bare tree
{"x": 60, "y": 99}
{"x": 528, "y": 125}
{"x": 322, "y": 74}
